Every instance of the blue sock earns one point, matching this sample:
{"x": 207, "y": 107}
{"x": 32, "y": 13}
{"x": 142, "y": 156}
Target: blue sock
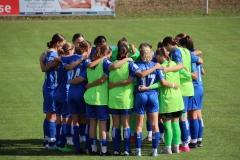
{"x": 76, "y": 138}
{"x": 82, "y": 128}
{"x": 45, "y": 130}
{"x": 194, "y": 128}
{"x": 108, "y": 125}
{"x": 115, "y": 137}
{"x": 149, "y": 127}
{"x": 63, "y": 135}
{"x": 184, "y": 131}
{"x": 51, "y": 137}
{"x": 103, "y": 143}
{"x": 58, "y": 130}
{"x": 126, "y": 135}
{"x": 161, "y": 127}
{"x": 201, "y": 127}
{"x": 69, "y": 130}
{"x": 87, "y": 144}
{"x": 138, "y": 139}
{"x": 155, "y": 139}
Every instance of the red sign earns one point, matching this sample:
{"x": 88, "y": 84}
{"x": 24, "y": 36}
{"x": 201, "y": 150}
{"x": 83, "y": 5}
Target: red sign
{"x": 9, "y": 7}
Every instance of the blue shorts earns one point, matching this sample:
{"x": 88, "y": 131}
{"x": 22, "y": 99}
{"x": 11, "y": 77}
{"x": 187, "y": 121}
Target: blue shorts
{"x": 48, "y": 103}
{"x": 99, "y": 112}
{"x": 197, "y": 98}
{"x": 76, "y": 102}
{"x": 187, "y": 102}
{"x": 146, "y": 101}
{"x": 118, "y": 112}
{"x": 61, "y": 104}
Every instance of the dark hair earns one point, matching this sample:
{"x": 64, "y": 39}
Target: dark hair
{"x": 159, "y": 45}
{"x": 162, "y": 52}
{"x": 99, "y": 40}
{"x": 89, "y": 43}
{"x": 122, "y": 52}
{"x": 100, "y": 52}
{"x": 181, "y": 35}
{"x": 187, "y": 43}
{"x": 82, "y": 47}
{"x": 65, "y": 49}
{"x": 168, "y": 40}
{"x": 56, "y": 38}
{"x": 76, "y": 36}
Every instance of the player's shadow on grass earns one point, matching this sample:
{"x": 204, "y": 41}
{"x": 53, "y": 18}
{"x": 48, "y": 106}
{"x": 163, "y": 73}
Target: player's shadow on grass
{"x": 27, "y": 147}
{"x": 34, "y": 147}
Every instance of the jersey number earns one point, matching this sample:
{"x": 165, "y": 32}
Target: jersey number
{"x": 150, "y": 76}
{"x": 76, "y": 74}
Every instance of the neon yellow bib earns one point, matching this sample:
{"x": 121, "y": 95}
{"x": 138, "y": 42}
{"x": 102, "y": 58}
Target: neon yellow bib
{"x": 97, "y": 95}
{"x": 120, "y": 97}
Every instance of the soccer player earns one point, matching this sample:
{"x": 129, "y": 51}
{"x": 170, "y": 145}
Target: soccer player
{"x": 194, "y": 112}
{"x": 48, "y": 88}
{"x": 147, "y": 100}
{"x": 184, "y": 58}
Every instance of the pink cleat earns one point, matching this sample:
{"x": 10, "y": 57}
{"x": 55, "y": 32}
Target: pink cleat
{"x": 184, "y": 149}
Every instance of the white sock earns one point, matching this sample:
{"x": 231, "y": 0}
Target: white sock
{"x": 149, "y": 133}
{"x": 104, "y": 149}
{"x": 94, "y": 147}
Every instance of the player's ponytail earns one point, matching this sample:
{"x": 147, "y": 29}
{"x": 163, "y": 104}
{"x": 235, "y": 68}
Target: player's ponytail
{"x": 163, "y": 53}
{"x": 122, "y": 52}
{"x": 100, "y": 52}
{"x": 56, "y": 38}
{"x": 64, "y": 50}
{"x": 82, "y": 47}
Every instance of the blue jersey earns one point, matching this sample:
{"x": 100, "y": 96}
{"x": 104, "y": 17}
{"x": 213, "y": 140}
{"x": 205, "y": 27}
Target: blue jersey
{"x": 176, "y": 56}
{"x": 151, "y": 78}
{"x": 50, "y": 75}
{"x": 77, "y": 70}
{"x": 198, "y": 82}
{"x": 106, "y": 64}
{"x": 133, "y": 68}
{"x": 61, "y": 86}
{"x": 154, "y": 58}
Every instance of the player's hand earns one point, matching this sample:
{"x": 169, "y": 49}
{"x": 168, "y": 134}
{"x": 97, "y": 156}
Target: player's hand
{"x": 185, "y": 68}
{"x": 176, "y": 86}
{"x": 111, "y": 85}
{"x": 129, "y": 59}
{"x": 143, "y": 88}
{"x": 157, "y": 66}
{"x": 87, "y": 86}
{"x": 165, "y": 69}
{"x": 132, "y": 48}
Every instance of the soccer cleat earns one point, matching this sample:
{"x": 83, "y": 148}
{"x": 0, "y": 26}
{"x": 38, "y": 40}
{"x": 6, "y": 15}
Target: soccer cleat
{"x": 127, "y": 153}
{"x": 104, "y": 154}
{"x": 147, "y": 139}
{"x": 70, "y": 142}
{"x": 154, "y": 154}
{"x": 88, "y": 151}
{"x": 51, "y": 147}
{"x": 175, "y": 150}
{"x": 116, "y": 153}
{"x": 166, "y": 151}
{"x": 138, "y": 153}
{"x": 65, "y": 149}
{"x": 132, "y": 139}
{"x": 199, "y": 143}
{"x": 193, "y": 145}
{"x": 184, "y": 149}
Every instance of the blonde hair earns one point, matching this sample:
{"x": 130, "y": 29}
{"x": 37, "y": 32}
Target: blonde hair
{"x": 146, "y": 52}
{"x": 64, "y": 50}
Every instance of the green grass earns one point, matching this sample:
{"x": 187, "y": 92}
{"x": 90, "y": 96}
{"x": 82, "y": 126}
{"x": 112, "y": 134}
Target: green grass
{"x": 22, "y": 41}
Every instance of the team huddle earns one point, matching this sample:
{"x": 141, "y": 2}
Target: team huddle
{"x": 85, "y": 85}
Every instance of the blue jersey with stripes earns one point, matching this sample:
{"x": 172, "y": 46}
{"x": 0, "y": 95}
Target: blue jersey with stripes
{"x": 62, "y": 77}
{"x": 50, "y": 75}
{"x": 198, "y": 82}
{"x": 154, "y": 77}
{"x": 77, "y": 70}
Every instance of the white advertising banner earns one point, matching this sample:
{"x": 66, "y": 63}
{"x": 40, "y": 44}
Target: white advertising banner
{"x": 59, "y": 7}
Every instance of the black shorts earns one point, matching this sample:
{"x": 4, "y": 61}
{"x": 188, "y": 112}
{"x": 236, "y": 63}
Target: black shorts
{"x": 171, "y": 115}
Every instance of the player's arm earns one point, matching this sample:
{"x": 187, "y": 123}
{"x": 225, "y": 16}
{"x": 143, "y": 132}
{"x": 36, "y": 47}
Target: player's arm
{"x": 121, "y": 83}
{"x": 194, "y": 73}
{"x": 50, "y": 65}
{"x": 202, "y": 71}
{"x": 97, "y": 82}
{"x": 178, "y": 67}
{"x": 74, "y": 64}
{"x": 96, "y": 62}
{"x": 76, "y": 80}
{"x": 152, "y": 86}
{"x": 197, "y": 52}
{"x": 119, "y": 63}
{"x": 142, "y": 74}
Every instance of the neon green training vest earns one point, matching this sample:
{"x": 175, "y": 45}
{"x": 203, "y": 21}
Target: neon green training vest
{"x": 97, "y": 95}
{"x": 120, "y": 97}
{"x": 186, "y": 86}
